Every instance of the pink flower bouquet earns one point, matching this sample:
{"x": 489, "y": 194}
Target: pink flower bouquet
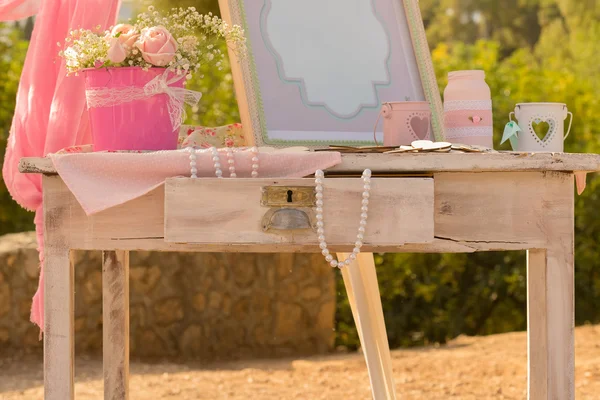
{"x": 180, "y": 41}
{"x": 135, "y": 74}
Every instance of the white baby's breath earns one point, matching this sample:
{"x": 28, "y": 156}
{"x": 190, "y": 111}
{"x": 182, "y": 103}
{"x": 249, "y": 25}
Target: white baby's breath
{"x": 196, "y": 36}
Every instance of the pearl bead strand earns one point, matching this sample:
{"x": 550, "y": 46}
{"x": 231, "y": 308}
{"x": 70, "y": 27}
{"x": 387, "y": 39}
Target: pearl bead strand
{"x": 255, "y": 164}
{"x": 319, "y": 176}
{"x": 231, "y": 162}
{"x": 193, "y": 169}
{"x": 217, "y": 161}
{"x": 230, "y": 153}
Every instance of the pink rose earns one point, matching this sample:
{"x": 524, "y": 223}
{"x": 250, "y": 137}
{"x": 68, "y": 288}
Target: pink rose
{"x": 157, "y": 45}
{"x": 127, "y": 34}
{"x": 116, "y": 51}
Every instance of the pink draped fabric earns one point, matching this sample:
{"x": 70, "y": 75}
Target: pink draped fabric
{"x": 50, "y": 113}
{"x": 13, "y": 10}
{"x": 103, "y": 180}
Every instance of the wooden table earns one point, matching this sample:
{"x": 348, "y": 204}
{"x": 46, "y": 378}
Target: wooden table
{"x": 423, "y": 203}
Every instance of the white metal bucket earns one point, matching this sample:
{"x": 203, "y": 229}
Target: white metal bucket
{"x": 548, "y": 119}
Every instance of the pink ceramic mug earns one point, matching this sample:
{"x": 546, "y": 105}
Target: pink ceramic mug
{"x": 404, "y": 122}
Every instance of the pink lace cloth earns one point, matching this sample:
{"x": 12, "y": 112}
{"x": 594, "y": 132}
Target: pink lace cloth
{"x": 103, "y": 180}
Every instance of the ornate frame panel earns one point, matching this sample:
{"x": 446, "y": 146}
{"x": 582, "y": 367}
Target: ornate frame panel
{"x": 276, "y": 105}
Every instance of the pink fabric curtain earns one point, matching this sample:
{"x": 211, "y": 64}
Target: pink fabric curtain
{"x": 13, "y": 10}
{"x": 50, "y": 113}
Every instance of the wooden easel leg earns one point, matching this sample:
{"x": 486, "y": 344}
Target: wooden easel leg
{"x": 360, "y": 280}
{"x": 115, "y": 312}
{"x": 550, "y": 323}
{"x": 58, "y": 324}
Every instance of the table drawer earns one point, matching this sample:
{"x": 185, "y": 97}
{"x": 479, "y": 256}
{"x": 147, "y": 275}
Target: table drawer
{"x": 279, "y": 211}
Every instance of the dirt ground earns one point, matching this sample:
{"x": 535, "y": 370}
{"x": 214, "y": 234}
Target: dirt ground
{"x": 468, "y": 368}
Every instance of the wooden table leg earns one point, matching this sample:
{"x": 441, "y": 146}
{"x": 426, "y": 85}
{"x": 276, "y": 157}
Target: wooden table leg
{"x": 58, "y": 323}
{"x": 115, "y": 312}
{"x": 550, "y": 323}
{"x": 360, "y": 280}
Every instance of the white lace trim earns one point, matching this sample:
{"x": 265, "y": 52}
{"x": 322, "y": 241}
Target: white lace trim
{"x": 108, "y": 97}
{"x": 459, "y": 105}
{"x": 177, "y": 97}
{"x": 469, "y": 131}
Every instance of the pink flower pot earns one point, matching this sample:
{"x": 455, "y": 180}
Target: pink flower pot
{"x": 405, "y": 122}
{"x": 129, "y": 123}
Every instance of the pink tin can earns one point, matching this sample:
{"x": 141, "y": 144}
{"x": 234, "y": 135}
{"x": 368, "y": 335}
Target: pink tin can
{"x": 142, "y": 124}
{"x": 404, "y": 122}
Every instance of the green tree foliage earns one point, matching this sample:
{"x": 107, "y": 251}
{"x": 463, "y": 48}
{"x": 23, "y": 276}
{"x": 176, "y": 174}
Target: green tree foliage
{"x": 429, "y": 298}
{"x": 203, "y": 6}
{"x": 511, "y": 23}
{"x": 12, "y": 55}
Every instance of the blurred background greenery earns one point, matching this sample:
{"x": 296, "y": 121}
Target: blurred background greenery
{"x": 531, "y": 50}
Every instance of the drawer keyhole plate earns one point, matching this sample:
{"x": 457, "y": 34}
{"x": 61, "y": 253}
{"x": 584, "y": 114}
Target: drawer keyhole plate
{"x": 288, "y": 196}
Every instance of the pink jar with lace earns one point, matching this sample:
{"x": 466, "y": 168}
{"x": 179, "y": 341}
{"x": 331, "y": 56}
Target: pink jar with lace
{"x": 468, "y": 109}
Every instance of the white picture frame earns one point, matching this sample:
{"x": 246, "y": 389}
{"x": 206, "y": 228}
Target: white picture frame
{"x": 317, "y": 71}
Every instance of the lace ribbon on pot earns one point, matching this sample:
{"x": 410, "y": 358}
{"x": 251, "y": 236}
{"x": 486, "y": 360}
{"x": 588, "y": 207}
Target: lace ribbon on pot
{"x": 475, "y": 131}
{"x": 178, "y": 97}
{"x": 459, "y": 105}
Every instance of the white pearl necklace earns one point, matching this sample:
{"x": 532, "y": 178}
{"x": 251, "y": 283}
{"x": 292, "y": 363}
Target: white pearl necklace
{"x": 217, "y": 161}
{"x": 255, "y": 164}
{"x": 231, "y": 162}
{"x": 366, "y": 176}
{"x": 193, "y": 169}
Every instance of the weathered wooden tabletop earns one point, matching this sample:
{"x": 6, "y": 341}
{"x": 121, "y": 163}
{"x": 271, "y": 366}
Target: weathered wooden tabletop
{"x": 429, "y": 162}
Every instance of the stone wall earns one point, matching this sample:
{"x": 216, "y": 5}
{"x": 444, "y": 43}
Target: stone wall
{"x": 192, "y": 305}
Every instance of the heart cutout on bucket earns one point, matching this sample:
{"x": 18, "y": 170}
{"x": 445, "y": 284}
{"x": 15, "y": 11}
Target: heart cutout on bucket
{"x": 420, "y": 126}
{"x": 543, "y": 129}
